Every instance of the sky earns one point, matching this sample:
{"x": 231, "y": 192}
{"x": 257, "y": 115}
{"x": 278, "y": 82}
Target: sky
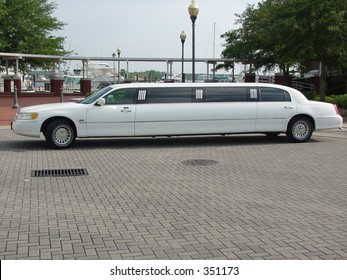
{"x": 146, "y": 28}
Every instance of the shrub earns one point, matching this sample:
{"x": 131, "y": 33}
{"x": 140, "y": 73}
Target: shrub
{"x": 341, "y": 101}
{"x": 310, "y": 95}
{"x": 331, "y": 99}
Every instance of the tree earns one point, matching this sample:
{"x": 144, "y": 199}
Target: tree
{"x": 259, "y": 40}
{"x": 26, "y": 27}
{"x": 291, "y": 33}
{"x": 3, "y": 12}
{"x": 320, "y": 30}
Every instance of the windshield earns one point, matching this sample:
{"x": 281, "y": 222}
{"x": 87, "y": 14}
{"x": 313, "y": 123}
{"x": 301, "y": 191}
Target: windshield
{"x": 96, "y": 95}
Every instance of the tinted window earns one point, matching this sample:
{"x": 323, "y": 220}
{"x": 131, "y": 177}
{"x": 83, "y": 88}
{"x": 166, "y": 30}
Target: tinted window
{"x": 95, "y": 95}
{"x": 228, "y": 94}
{"x": 169, "y": 95}
{"x": 121, "y": 96}
{"x": 274, "y": 95}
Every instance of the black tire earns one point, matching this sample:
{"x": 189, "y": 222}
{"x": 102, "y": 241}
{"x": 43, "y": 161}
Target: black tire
{"x": 60, "y": 134}
{"x": 299, "y": 130}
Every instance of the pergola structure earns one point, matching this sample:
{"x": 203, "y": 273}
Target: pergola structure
{"x": 57, "y": 78}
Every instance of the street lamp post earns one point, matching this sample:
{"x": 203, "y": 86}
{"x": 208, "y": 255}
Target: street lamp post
{"x": 114, "y": 68}
{"x": 183, "y": 37}
{"x": 193, "y": 11}
{"x": 118, "y": 52}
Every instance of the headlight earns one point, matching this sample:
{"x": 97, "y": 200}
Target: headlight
{"x": 26, "y": 116}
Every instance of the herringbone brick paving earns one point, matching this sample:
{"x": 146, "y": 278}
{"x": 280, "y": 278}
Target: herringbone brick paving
{"x": 264, "y": 199}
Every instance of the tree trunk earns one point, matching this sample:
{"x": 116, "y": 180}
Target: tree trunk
{"x": 285, "y": 71}
{"x": 286, "y": 75}
{"x": 322, "y": 80}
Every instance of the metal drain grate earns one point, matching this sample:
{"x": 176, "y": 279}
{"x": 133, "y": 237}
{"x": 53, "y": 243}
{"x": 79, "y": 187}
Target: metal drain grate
{"x": 59, "y": 172}
{"x": 199, "y": 162}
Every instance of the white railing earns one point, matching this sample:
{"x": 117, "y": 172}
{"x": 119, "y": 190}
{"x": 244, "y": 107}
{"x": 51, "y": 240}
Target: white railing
{"x": 302, "y": 86}
{"x": 266, "y": 79}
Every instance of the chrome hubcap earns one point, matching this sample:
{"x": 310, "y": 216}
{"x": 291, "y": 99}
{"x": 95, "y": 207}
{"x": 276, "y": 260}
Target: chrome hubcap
{"x": 301, "y": 130}
{"x": 62, "y": 135}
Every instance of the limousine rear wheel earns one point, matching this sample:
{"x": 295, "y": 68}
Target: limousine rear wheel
{"x": 299, "y": 129}
{"x": 60, "y": 134}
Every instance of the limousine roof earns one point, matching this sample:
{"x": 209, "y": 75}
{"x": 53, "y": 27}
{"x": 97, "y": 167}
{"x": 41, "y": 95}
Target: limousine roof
{"x": 198, "y": 85}
{"x": 298, "y": 95}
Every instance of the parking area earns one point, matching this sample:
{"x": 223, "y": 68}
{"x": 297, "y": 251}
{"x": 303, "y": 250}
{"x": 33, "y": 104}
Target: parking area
{"x": 233, "y": 197}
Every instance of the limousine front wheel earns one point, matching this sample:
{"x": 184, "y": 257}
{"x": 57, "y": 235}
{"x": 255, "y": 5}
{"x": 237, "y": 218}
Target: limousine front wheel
{"x": 60, "y": 134}
{"x": 299, "y": 129}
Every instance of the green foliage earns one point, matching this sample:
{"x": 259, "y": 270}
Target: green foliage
{"x": 339, "y": 100}
{"x": 262, "y": 38}
{"x": 330, "y": 99}
{"x": 291, "y": 33}
{"x": 311, "y": 95}
{"x": 321, "y": 27}
{"x": 26, "y": 27}
{"x": 3, "y": 12}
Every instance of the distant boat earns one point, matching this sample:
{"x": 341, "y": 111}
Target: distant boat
{"x": 175, "y": 77}
{"x": 220, "y": 78}
{"x": 101, "y": 75}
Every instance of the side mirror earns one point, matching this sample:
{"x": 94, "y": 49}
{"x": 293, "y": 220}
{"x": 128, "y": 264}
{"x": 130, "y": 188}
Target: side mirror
{"x": 100, "y": 102}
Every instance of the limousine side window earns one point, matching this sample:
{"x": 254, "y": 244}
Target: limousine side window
{"x": 252, "y": 94}
{"x": 198, "y": 95}
{"x": 268, "y": 94}
{"x": 169, "y": 95}
{"x": 227, "y": 94}
{"x": 121, "y": 96}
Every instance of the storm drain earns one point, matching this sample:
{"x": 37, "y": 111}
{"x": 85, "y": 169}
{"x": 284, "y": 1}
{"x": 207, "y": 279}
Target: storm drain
{"x": 199, "y": 162}
{"x": 59, "y": 172}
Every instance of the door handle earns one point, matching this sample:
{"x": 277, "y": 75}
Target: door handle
{"x": 126, "y": 110}
{"x": 288, "y": 107}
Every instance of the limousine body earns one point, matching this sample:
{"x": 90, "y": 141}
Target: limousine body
{"x": 179, "y": 109}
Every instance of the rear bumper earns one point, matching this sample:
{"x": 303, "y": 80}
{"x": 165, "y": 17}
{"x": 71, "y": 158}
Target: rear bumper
{"x": 329, "y": 122}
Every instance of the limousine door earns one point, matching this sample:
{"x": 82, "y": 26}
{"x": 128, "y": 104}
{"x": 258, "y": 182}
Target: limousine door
{"x": 275, "y": 107}
{"x": 115, "y": 118}
{"x": 184, "y": 111}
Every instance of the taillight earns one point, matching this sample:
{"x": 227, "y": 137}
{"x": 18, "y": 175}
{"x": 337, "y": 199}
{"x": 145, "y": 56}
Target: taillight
{"x": 336, "y": 109}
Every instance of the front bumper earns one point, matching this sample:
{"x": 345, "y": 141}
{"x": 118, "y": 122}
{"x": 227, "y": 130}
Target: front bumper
{"x": 26, "y": 128}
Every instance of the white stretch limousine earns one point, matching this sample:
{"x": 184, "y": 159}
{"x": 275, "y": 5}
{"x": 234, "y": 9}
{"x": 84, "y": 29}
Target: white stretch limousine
{"x": 179, "y": 109}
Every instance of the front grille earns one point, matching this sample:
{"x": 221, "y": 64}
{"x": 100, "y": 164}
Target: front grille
{"x": 59, "y": 172}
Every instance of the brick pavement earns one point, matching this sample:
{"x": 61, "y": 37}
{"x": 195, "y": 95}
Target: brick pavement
{"x": 264, "y": 199}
